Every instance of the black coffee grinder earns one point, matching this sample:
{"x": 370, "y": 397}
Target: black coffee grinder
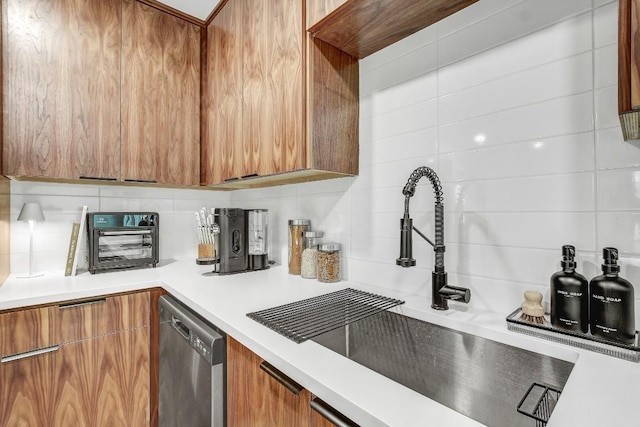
{"x": 243, "y": 239}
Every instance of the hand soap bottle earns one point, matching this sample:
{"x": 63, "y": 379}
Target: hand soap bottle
{"x": 569, "y": 295}
{"x": 611, "y": 302}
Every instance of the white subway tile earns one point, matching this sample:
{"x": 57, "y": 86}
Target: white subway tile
{"x": 406, "y": 146}
{"x": 619, "y": 189}
{"x": 560, "y": 78}
{"x": 136, "y": 192}
{"x": 565, "y": 115}
{"x": 614, "y": 152}
{"x": 402, "y": 69}
{"x": 559, "y": 41}
{"x": 606, "y": 66}
{"x": 536, "y": 230}
{"x": 509, "y": 24}
{"x": 605, "y": 21}
{"x": 408, "y": 119}
{"x": 553, "y": 155}
{"x": 399, "y": 49}
{"x": 34, "y": 188}
{"x": 619, "y": 230}
{"x": 472, "y": 14}
{"x": 606, "y": 107}
{"x": 553, "y": 193}
{"x": 421, "y": 88}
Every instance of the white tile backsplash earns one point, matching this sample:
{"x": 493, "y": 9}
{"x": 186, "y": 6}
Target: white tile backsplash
{"x": 513, "y": 103}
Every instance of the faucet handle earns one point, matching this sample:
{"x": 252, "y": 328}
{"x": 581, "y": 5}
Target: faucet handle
{"x": 455, "y": 293}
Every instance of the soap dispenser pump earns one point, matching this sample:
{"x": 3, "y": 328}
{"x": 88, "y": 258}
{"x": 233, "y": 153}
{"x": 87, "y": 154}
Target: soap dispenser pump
{"x": 569, "y": 295}
{"x": 611, "y": 302}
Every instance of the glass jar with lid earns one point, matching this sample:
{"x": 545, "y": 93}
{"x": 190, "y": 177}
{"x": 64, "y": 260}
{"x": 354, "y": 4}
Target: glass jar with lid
{"x": 296, "y": 243}
{"x": 308, "y": 268}
{"x": 328, "y": 264}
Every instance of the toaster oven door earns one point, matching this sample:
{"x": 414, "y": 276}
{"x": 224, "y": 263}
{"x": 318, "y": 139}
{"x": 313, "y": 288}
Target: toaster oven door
{"x": 123, "y": 249}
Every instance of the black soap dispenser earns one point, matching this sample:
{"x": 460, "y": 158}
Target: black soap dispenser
{"x": 611, "y": 302}
{"x": 569, "y": 295}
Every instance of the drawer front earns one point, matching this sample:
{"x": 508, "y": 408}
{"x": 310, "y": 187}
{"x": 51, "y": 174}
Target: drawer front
{"x": 83, "y": 319}
{"x": 26, "y": 330}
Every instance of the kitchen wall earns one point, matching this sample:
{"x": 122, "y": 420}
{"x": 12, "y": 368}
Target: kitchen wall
{"x": 513, "y": 103}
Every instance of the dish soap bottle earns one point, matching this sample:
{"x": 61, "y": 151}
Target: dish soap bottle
{"x": 569, "y": 295}
{"x": 611, "y": 302}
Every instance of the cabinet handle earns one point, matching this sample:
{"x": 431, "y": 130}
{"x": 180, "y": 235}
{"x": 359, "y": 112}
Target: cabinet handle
{"x": 232, "y": 179}
{"x": 31, "y": 353}
{"x": 251, "y": 175}
{"x": 143, "y": 181}
{"x": 82, "y": 303}
{"x": 97, "y": 178}
{"x": 287, "y": 382}
{"x": 331, "y": 414}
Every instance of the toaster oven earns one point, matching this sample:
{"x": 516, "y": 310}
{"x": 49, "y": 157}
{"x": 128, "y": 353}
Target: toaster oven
{"x": 120, "y": 240}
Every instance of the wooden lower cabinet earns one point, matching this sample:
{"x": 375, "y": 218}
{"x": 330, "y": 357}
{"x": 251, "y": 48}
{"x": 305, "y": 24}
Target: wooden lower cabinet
{"x": 102, "y": 377}
{"x": 254, "y": 398}
{"x": 259, "y": 395}
{"x": 25, "y": 391}
{"x": 103, "y": 381}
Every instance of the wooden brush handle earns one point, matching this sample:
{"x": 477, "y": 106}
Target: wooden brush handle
{"x": 532, "y": 305}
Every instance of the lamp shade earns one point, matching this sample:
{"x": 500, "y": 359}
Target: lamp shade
{"x": 31, "y": 212}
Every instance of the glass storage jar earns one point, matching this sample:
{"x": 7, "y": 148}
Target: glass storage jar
{"x": 328, "y": 262}
{"x": 308, "y": 268}
{"x": 296, "y": 243}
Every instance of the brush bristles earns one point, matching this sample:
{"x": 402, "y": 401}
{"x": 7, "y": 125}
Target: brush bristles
{"x": 538, "y": 320}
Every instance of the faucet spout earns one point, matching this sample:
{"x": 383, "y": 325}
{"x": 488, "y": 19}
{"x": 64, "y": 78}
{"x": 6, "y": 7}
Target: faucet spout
{"x": 441, "y": 292}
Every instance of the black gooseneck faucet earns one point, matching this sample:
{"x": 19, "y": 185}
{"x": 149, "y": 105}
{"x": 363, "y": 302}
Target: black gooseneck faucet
{"x": 440, "y": 291}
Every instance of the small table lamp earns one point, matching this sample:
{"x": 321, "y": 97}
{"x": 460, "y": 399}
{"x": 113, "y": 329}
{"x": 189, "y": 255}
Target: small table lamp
{"x": 31, "y": 212}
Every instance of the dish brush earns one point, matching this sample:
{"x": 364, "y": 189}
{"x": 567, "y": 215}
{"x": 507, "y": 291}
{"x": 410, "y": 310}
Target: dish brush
{"x": 532, "y": 309}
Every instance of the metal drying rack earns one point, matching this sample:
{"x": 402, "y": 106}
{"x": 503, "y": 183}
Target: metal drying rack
{"x": 305, "y": 319}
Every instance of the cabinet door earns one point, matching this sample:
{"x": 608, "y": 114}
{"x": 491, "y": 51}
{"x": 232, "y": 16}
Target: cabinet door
{"x": 222, "y": 112}
{"x": 273, "y": 87}
{"x": 25, "y": 386}
{"x": 254, "y": 398}
{"x": 160, "y": 97}
{"x": 103, "y": 381}
{"x": 61, "y": 88}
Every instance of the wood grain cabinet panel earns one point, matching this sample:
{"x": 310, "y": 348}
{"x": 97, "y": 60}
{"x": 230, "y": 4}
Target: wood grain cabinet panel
{"x": 103, "y": 381}
{"x": 285, "y": 134}
{"x": 629, "y": 68}
{"x": 26, "y": 330}
{"x": 100, "y": 316}
{"x": 98, "y": 368}
{"x": 222, "y": 103}
{"x": 362, "y": 27}
{"x": 255, "y": 399}
{"x": 61, "y": 88}
{"x": 25, "y": 391}
{"x": 160, "y": 97}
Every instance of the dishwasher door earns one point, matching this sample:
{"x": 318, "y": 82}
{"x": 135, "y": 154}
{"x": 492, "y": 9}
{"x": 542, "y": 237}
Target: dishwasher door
{"x": 192, "y": 369}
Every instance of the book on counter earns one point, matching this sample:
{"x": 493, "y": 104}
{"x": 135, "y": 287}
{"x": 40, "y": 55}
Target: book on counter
{"x": 73, "y": 244}
{"x": 81, "y": 239}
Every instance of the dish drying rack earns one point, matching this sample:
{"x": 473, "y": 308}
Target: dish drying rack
{"x": 629, "y": 352}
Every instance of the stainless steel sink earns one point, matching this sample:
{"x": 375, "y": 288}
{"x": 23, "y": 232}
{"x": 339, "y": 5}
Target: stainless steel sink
{"x": 480, "y": 378}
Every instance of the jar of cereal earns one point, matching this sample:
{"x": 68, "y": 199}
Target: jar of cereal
{"x": 329, "y": 262}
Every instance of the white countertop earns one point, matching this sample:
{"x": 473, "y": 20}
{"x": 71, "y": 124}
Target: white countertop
{"x": 601, "y": 390}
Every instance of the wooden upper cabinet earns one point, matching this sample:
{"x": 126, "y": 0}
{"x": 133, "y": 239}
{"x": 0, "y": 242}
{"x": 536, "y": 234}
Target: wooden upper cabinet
{"x": 254, "y": 105}
{"x": 160, "y": 97}
{"x": 629, "y": 68}
{"x": 362, "y": 27}
{"x": 61, "y": 88}
{"x": 297, "y": 119}
{"x": 273, "y": 71}
{"x": 319, "y": 9}
{"x": 222, "y": 101}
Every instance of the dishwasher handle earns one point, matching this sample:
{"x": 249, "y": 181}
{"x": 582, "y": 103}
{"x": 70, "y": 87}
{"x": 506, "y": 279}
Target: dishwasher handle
{"x": 180, "y": 327}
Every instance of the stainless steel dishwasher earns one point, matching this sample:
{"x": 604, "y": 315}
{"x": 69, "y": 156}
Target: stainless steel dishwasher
{"x": 192, "y": 368}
